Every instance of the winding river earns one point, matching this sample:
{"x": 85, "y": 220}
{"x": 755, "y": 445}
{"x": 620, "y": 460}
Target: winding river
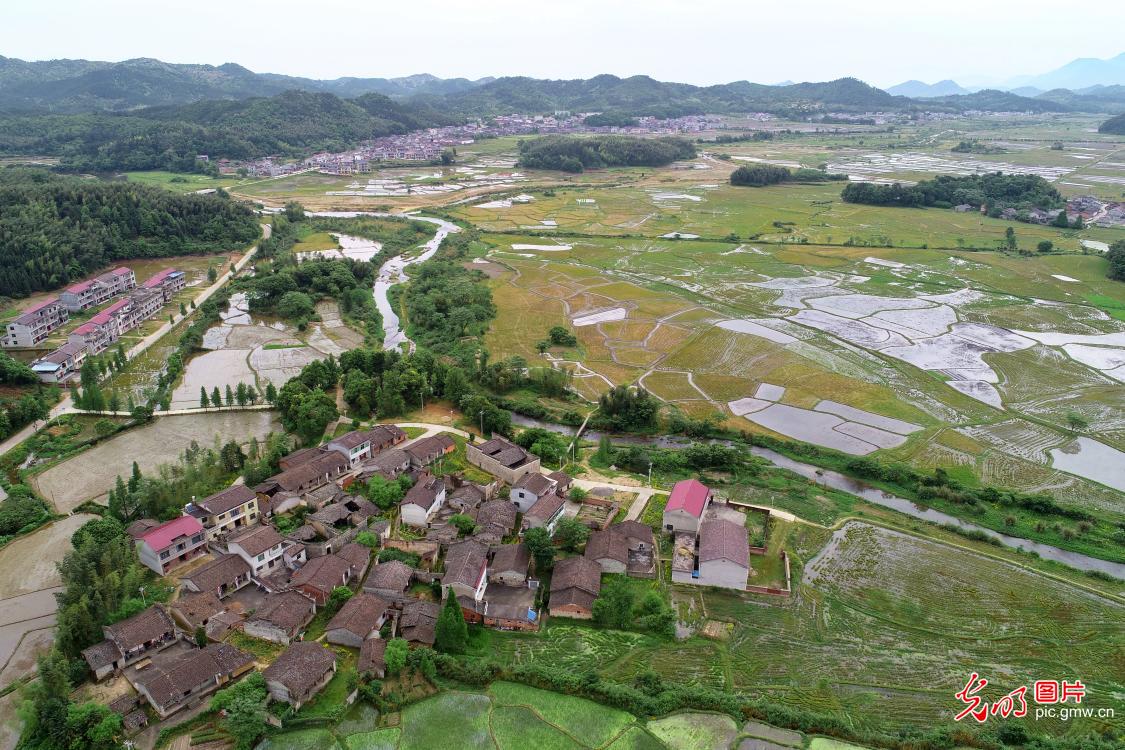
{"x": 392, "y": 272}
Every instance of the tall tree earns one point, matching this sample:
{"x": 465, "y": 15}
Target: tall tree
{"x": 451, "y": 634}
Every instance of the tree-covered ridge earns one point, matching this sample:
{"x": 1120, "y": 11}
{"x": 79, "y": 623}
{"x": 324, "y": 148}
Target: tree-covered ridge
{"x": 55, "y": 229}
{"x": 1114, "y": 125}
{"x": 574, "y": 154}
{"x": 760, "y": 175}
{"x": 291, "y": 123}
{"x": 996, "y": 190}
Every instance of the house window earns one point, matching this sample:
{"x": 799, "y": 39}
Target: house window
{"x": 165, "y": 555}
{"x": 261, "y": 557}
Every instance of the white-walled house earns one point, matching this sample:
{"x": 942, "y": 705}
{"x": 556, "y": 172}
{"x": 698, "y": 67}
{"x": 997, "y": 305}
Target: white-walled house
{"x": 685, "y": 507}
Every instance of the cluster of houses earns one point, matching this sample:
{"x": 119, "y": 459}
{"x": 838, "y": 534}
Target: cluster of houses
{"x": 240, "y": 567}
{"x": 265, "y": 560}
{"x": 137, "y": 304}
{"x": 427, "y": 145}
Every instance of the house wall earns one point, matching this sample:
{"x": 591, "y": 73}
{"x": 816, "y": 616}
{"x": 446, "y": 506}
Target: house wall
{"x": 680, "y": 520}
{"x": 523, "y": 499}
{"x": 510, "y": 577}
{"x": 683, "y": 576}
{"x": 722, "y": 573}
{"x": 342, "y": 637}
{"x": 610, "y": 565}
{"x": 267, "y": 631}
{"x": 572, "y": 610}
{"x": 495, "y": 468}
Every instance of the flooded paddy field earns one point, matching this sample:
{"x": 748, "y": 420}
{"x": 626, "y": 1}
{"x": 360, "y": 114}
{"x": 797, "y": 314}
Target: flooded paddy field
{"x": 91, "y": 474}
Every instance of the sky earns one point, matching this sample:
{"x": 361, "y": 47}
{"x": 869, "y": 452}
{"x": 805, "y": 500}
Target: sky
{"x": 883, "y": 42}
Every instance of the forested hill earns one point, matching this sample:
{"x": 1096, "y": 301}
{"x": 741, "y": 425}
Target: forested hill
{"x": 1114, "y": 125}
{"x": 72, "y": 86}
{"x": 292, "y": 123}
{"x": 56, "y": 229}
{"x": 641, "y": 95}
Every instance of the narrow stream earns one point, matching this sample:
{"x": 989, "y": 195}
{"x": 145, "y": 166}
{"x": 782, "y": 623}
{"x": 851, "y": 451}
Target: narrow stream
{"x": 392, "y": 272}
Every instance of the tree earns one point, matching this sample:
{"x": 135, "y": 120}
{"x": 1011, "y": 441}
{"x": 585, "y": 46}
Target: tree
{"x": 1010, "y": 238}
{"x": 451, "y": 634}
{"x": 1116, "y": 257}
{"x": 339, "y": 596}
{"x": 135, "y": 478}
{"x": 538, "y": 543}
{"x": 614, "y": 606}
{"x": 212, "y": 275}
{"x": 241, "y": 395}
{"x": 394, "y": 656}
{"x": 464, "y": 524}
{"x": 200, "y": 636}
{"x": 367, "y": 539}
{"x": 1076, "y": 421}
{"x": 604, "y": 453}
{"x": 1045, "y": 246}
{"x": 570, "y": 533}
{"x": 1060, "y": 220}
{"x": 230, "y": 395}
{"x": 203, "y": 402}
{"x": 216, "y": 397}
{"x": 245, "y": 705}
{"x": 271, "y": 392}
{"x": 295, "y": 306}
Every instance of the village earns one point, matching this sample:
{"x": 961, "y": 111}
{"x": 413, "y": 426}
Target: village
{"x": 258, "y": 569}
{"x": 135, "y": 305}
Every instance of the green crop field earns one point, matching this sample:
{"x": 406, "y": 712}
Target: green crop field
{"x": 507, "y": 717}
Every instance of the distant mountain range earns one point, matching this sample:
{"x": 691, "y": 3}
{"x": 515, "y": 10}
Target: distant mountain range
{"x": 68, "y": 86}
{"x": 1077, "y": 74}
{"x": 132, "y": 86}
{"x": 919, "y": 90}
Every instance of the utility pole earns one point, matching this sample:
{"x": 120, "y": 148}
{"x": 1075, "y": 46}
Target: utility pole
{"x": 650, "y": 473}
{"x": 482, "y": 424}
{"x": 142, "y": 590}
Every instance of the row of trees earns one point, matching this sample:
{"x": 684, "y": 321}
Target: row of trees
{"x": 995, "y": 190}
{"x": 58, "y": 229}
{"x": 575, "y": 154}
{"x": 1116, "y": 258}
{"x": 760, "y": 175}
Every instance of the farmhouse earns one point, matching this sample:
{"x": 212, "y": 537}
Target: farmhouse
{"x": 545, "y": 513}
{"x": 281, "y": 617}
{"x": 320, "y": 575}
{"x": 422, "y": 500}
{"x": 87, "y": 294}
{"x": 362, "y": 444}
{"x": 299, "y": 673}
{"x": 685, "y": 507}
{"x": 35, "y": 323}
{"x": 388, "y": 464}
{"x": 195, "y": 610}
{"x": 61, "y": 364}
{"x": 371, "y": 661}
{"x": 359, "y": 619}
{"x": 167, "y": 282}
{"x": 466, "y": 568}
{"x": 222, "y": 576}
{"x": 575, "y": 584}
{"x": 389, "y": 579}
{"x": 416, "y": 624}
{"x": 223, "y": 512}
{"x": 326, "y": 466}
{"x": 171, "y": 687}
{"x": 424, "y": 452}
{"x": 502, "y": 459}
{"x": 496, "y": 519}
{"x": 724, "y": 554}
{"x": 263, "y": 549}
{"x": 510, "y": 565}
{"x": 530, "y": 489}
{"x": 131, "y": 640}
{"x": 171, "y": 544}
{"x": 626, "y": 547}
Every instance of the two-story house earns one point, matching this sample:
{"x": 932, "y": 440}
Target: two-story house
{"x": 232, "y": 509}
{"x": 262, "y": 548}
{"x": 169, "y": 545}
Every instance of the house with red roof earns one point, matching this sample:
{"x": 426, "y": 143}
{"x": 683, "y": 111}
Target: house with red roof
{"x": 87, "y": 294}
{"x": 171, "y": 544}
{"x": 34, "y": 324}
{"x": 685, "y": 507}
{"x": 167, "y": 282}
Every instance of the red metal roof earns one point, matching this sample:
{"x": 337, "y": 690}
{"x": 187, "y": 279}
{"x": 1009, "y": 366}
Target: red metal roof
{"x": 40, "y": 305}
{"x": 158, "y": 278}
{"x": 79, "y": 287}
{"x": 159, "y": 537}
{"x": 688, "y": 495}
{"x": 121, "y": 271}
{"x": 105, "y": 315}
